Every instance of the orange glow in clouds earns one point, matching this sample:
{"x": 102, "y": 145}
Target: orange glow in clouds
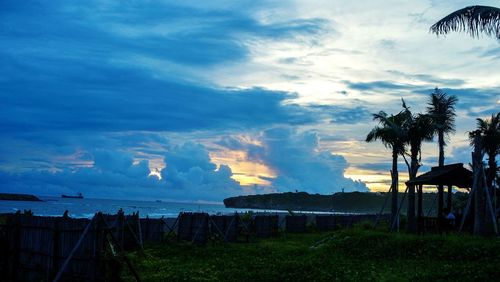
{"x": 246, "y": 172}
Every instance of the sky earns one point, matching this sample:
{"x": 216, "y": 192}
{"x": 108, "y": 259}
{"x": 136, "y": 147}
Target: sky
{"x": 202, "y": 100}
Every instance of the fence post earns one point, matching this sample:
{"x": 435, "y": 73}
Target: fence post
{"x": 17, "y": 246}
{"x": 55, "y": 248}
{"x": 121, "y": 227}
{"x": 77, "y": 245}
{"x": 140, "y": 229}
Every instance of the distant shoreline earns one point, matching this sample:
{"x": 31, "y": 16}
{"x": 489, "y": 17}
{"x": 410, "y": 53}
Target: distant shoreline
{"x": 19, "y": 197}
{"x": 348, "y": 202}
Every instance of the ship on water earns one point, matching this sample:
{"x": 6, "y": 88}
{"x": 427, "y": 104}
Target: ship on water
{"x": 78, "y": 196}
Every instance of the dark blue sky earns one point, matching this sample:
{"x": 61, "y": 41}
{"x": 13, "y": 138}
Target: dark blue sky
{"x": 222, "y": 98}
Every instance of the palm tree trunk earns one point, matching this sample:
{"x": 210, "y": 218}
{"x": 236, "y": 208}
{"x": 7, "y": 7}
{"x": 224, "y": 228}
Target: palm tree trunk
{"x": 394, "y": 185}
{"x": 441, "y": 147}
{"x": 440, "y": 187}
{"x": 492, "y": 174}
{"x": 412, "y": 226}
{"x": 492, "y": 168}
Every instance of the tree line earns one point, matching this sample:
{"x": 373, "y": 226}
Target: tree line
{"x": 405, "y": 132}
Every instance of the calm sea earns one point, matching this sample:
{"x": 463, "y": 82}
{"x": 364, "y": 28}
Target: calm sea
{"x": 53, "y": 206}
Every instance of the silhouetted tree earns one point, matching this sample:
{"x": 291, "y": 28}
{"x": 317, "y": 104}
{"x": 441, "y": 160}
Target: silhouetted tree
{"x": 488, "y": 133}
{"x": 441, "y": 109}
{"x": 391, "y": 133}
{"x": 419, "y": 128}
{"x": 480, "y": 205}
{"x": 473, "y": 20}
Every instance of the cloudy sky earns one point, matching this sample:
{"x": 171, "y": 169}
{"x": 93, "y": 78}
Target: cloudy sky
{"x": 200, "y": 100}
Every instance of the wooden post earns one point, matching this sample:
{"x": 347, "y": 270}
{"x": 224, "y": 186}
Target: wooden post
{"x": 449, "y": 200}
{"x": 117, "y": 244}
{"x": 17, "y": 246}
{"x": 55, "y": 247}
{"x": 411, "y": 209}
{"x": 75, "y": 248}
{"x": 490, "y": 206}
{"x": 440, "y": 208}
{"x": 469, "y": 201}
{"x": 480, "y": 196}
{"x": 383, "y": 207}
{"x": 420, "y": 211}
{"x": 121, "y": 227}
{"x": 393, "y": 226}
{"x": 140, "y": 229}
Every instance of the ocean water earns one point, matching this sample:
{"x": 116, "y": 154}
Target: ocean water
{"x": 86, "y": 208}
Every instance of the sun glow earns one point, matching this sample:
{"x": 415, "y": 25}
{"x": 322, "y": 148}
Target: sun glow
{"x": 377, "y": 181}
{"x": 245, "y": 171}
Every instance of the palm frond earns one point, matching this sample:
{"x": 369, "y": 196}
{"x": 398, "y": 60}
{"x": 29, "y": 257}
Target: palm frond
{"x": 488, "y": 132}
{"x": 441, "y": 108}
{"x": 473, "y": 20}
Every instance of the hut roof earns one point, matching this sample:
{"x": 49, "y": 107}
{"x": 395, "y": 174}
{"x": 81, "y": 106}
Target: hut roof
{"x": 452, "y": 174}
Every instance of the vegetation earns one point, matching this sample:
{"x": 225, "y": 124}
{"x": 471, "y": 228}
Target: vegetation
{"x": 419, "y": 128}
{"x": 485, "y": 140}
{"x": 441, "y": 109}
{"x": 391, "y": 133}
{"x": 408, "y": 129}
{"x": 488, "y": 132}
{"x": 473, "y": 20}
{"x": 360, "y": 202}
{"x": 17, "y": 197}
{"x": 358, "y": 254}
{"x": 477, "y": 20}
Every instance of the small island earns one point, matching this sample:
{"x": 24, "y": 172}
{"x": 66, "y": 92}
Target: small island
{"x": 18, "y": 197}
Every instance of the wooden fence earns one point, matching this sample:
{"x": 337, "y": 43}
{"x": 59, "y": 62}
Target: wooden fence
{"x": 266, "y": 225}
{"x": 35, "y": 248}
{"x": 295, "y": 223}
{"x": 38, "y": 248}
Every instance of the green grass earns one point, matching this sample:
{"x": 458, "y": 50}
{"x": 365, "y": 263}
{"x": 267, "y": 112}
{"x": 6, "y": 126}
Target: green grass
{"x": 350, "y": 255}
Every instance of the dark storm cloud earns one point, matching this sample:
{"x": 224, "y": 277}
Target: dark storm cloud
{"x": 70, "y": 67}
{"x": 165, "y": 30}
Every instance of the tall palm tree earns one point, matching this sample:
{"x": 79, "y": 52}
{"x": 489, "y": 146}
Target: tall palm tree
{"x": 488, "y": 132}
{"x": 419, "y": 129}
{"x": 391, "y": 133}
{"x": 478, "y": 187}
{"x": 473, "y": 20}
{"x": 441, "y": 109}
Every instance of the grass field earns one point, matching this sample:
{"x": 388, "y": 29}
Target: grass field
{"x": 350, "y": 255}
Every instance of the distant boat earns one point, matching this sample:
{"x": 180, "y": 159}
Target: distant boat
{"x": 79, "y": 196}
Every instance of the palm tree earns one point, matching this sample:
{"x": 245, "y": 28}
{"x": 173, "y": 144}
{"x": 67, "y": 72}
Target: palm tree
{"x": 419, "y": 129}
{"x": 488, "y": 132}
{"x": 391, "y": 133}
{"x": 473, "y": 20}
{"x": 478, "y": 189}
{"x": 441, "y": 109}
